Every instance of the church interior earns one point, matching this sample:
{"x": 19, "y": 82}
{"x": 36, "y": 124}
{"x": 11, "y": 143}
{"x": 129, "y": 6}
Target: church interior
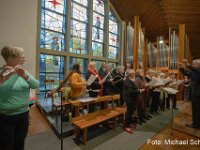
{"x": 133, "y": 35}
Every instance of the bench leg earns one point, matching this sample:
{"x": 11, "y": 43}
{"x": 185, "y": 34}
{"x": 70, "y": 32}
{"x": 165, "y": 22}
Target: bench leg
{"x": 77, "y": 133}
{"x": 84, "y": 136}
{"x": 114, "y": 123}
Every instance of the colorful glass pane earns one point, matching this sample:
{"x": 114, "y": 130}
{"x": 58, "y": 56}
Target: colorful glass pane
{"x": 98, "y": 20}
{"x": 113, "y": 41}
{"x": 97, "y": 49}
{"x": 98, "y": 6}
{"x": 54, "y": 5}
{"x": 97, "y": 34}
{"x": 111, "y": 16}
{"x": 53, "y": 21}
{"x": 78, "y": 29}
{"x": 112, "y": 52}
{"x": 79, "y": 12}
{"x": 113, "y": 27}
{"x": 83, "y": 62}
{"x": 78, "y": 45}
{"x": 51, "y": 68}
{"x": 82, "y": 2}
{"x": 51, "y": 40}
{"x": 78, "y": 40}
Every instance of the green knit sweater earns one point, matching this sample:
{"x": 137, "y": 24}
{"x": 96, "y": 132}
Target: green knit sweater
{"x": 14, "y": 94}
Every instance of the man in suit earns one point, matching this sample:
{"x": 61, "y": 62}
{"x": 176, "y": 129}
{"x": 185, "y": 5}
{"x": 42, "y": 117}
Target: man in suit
{"x": 131, "y": 93}
{"x": 194, "y": 74}
{"x": 102, "y": 71}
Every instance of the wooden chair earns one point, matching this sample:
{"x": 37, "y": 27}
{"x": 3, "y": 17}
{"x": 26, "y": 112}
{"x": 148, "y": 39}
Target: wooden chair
{"x": 56, "y": 103}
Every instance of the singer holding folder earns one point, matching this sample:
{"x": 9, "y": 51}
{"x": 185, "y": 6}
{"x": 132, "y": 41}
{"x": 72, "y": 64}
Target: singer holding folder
{"x": 15, "y": 85}
{"x": 97, "y": 85}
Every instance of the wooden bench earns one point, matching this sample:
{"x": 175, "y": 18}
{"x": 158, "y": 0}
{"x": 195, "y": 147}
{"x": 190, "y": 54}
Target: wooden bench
{"x": 82, "y": 123}
{"x": 116, "y": 97}
{"x": 122, "y": 110}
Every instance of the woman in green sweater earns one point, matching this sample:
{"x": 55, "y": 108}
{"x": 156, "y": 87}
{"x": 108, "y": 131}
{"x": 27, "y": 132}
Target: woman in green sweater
{"x": 15, "y": 85}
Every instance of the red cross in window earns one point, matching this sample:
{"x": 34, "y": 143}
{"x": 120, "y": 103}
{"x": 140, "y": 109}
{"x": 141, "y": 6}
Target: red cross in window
{"x": 54, "y": 3}
{"x": 100, "y": 2}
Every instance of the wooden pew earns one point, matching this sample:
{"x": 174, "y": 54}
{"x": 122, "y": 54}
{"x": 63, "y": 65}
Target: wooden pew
{"x": 115, "y": 97}
{"x": 82, "y": 123}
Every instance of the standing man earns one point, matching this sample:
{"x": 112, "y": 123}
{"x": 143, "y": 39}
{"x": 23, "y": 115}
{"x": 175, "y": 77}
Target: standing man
{"x": 131, "y": 93}
{"x": 194, "y": 74}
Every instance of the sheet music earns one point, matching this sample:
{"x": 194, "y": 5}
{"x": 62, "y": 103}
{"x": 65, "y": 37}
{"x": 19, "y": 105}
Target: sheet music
{"x": 97, "y": 90}
{"x": 87, "y": 99}
{"x": 179, "y": 82}
{"x": 159, "y": 82}
{"x": 149, "y": 83}
{"x": 91, "y": 79}
{"x": 170, "y": 90}
{"x": 104, "y": 79}
{"x": 168, "y": 80}
{"x": 117, "y": 79}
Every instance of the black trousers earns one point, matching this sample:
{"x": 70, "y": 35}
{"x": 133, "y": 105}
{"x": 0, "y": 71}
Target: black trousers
{"x": 173, "y": 98}
{"x": 131, "y": 106}
{"x": 155, "y": 101}
{"x": 13, "y": 131}
{"x": 196, "y": 110}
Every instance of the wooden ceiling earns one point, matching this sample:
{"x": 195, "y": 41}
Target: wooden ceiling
{"x": 158, "y": 15}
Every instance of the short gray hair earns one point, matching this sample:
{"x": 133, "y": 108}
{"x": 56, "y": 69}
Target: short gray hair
{"x": 150, "y": 71}
{"x": 11, "y": 51}
{"x": 129, "y": 72}
{"x": 120, "y": 67}
{"x": 197, "y": 61}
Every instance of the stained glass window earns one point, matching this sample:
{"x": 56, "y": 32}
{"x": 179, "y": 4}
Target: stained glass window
{"x": 98, "y": 28}
{"x": 51, "y": 68}
{"x": 79, "y": 27}
{"x": 53, "y": 24}
{"x": 113, "y": 37}
{"x": 54, "y": 27}
{"x": 83, "y": 62}
{"x": 82, "y": 2}
{"x": 98, "y": 6}
{"x": 98, "y": 63}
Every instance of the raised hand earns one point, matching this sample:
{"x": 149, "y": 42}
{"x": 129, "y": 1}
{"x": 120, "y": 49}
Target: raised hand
{"x": 21, "y": 72}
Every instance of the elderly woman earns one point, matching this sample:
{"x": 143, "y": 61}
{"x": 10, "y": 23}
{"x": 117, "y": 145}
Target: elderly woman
{"x": 194, "y": 75}
{"x": 96, "y": 88}
{"x": 15, "y": 84}
{"x": 131, "y": 93}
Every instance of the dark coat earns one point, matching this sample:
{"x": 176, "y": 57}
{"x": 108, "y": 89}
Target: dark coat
{"x": 102, "y": 73}
{"x": 131, "y": 91}
{"x": 94, "y": 86}
{"x": 194, "y": 75}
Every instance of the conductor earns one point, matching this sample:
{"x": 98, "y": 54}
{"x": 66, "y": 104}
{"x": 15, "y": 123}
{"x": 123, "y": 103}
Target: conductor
{"x": 194, "y": 74}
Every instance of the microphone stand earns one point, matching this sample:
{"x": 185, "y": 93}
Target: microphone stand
{"x": 61, "y": 121}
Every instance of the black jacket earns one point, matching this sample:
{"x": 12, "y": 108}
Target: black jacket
{"x": 131, "y": 91}
{"x": 94, "y": 86}
{"x": 194, "y": 75}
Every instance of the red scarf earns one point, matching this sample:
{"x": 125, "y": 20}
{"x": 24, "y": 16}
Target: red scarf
{"x": 99, "y": 78}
